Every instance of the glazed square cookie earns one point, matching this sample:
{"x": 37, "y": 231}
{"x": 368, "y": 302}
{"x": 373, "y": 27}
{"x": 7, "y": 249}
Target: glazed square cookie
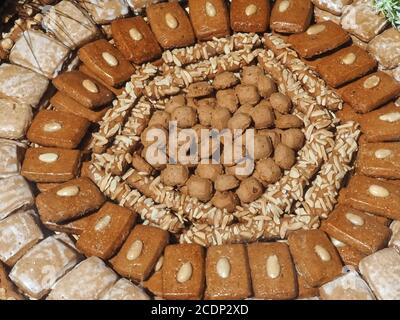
{"x": 372, "y": 195}
{"x": 125, "y": 290}
{"x": 39, "y": 269}
{"x": 333, "y": 6}
{"x": 51, "y": 164}
{"x": 370, "y": 92}
{"x": 322, "y": 16}
{"x": 117, "y": 91}
{"x": 18, "y": 233}
{"x": 209, "y": 18}
{"x": 315, "y": 256}
{"x": 140, "y": 252}
{"x": 11, "y": 155}
{"x": 349, "y": 286}
{"x": 135, "y": 40}
{"x": 345, "y": 66}
{"x": 15, "y": 118}
{"x": 382, "y": 124}
{"x": 349, "y": 255}
{"x": 170, "y": 24}
{"x": 386, "y": 48}
{"x": 22, "y": 84}
{"x": 379, "y": 160}
{"x": 105, "y": 234}
{"x": 357, "y": 229}
{"x": 291, "y": 16}
{"x": 272, "y": 271}
{"x": 57, "y": 129}
{"x": 183, "y": 272}
{"x": 83, "y": 89}
{"x": 39, "y": 52}
{"x": 250, "y": 16}
{"x": 228, "y": 272}
{"x": 361, "y": 19}
{"x": 106, "y": 62}
{"x": 382, "y": 272}
{"x": 89, "y": 280}
{"x": 14, "y": 194}
{"x": 105, "y": 11}
{"x": 69, "y": 200}
{"x": 70, "y": 24}
{"x": 7, "y": 288}
{"x": 319, "y": 38}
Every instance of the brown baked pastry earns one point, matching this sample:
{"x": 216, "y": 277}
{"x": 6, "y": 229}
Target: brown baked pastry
{"x": 291, "y": 16}
{"x": 250, "y": 16}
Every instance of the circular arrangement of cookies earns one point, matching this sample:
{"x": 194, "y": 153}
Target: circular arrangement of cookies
{"x": 200, "y": 149}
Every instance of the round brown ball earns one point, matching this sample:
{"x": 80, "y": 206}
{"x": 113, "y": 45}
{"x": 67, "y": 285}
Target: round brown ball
{"x": 268, "y": 171}
{"x": 249, "y": 190}
{"x": 209, "y": 171}
{"x": 280, "y": 102}
{"x": 247, "y": 94}
{"x": 174, "y": 175}
{"x": 175, "y": 102}
{"x": 199, "y": 89}
{"x": 246, "y": 165}
{"x": 220, "y": 118}
{"x": 227, "y": 200}
{"x": 251, "y": 74}
{"x": 225, "y": 182}
{"x": 274, "y": 135}
{"x": 246, "y": 108}
{"x": 200, "y": 188}
{"x": 186, "y": 117}
{"x": 239, "y": 121}
{"x": 284, "y": 157}
{"x": 227, "y": 99}
{"x": 160, "y": 119}
{"x": 266, "y": 86}
{"x": 262, "y": 115}
{"x": 204, "y": 112}
{"x": 293, "y": 138}
{"x": 288, "y": 121}
{"x": 225, "y": 80}
{"x": 262, "y": 147}
{"x": 146, "y": 140}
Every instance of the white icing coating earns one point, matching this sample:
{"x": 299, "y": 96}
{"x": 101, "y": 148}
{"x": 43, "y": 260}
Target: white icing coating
{"x": 87, "y": 281}
{"x": 70, "y": 24}
{"x": 333, "y": 6}
{"x": 10, "y": 154}
{"x": 123, "y": 289}
{"x": 38, "y": 270}
{"x": 39, "y": 52}
{"x": 105, "y": 11}
{"x": 14, "y": 194}
{"x": 385, "y": 47}
{"x": 22, "y": 84}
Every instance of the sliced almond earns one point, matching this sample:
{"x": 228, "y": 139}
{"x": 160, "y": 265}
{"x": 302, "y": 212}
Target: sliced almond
{"x": 159, "y": 264}
{"x": 284, "y": 5}
{"x": 273, "y": 267}
{"x": 223, "y": 267}
{"x": 378, "y": 191}
{"x": 111, "y": 60}
{"x": 210, "y": 9}
{"x": 337, "y": 243}
{"x": 390, "y": 117}
{"x": 171, "y": 21}
{"x": 251, "y": 9}
{"x": 48, "y": 157}
{"x": 135, "y": 250}
{"x": 383, "y": 153}
{"x": 315, "y": 29}
{"x": 52, "y": 126}
{"x": 355, "y": 219}
{"x": 322, "y": 253}
{"x": 90, "y": 86}
{"x": 69, "y": 191}
{"x": 349, "y": 58}
{"x": 135, "y": 34}
{"x": 103, "y": 223}
{"x": 371, "y": 82}
{"x": 184, "y": 273}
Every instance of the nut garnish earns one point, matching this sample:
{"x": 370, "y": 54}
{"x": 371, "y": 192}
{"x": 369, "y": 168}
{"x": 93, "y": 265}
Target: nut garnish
{"x": 337, "y": 243}
{"x": 273, "y": 267}
{"x": 322, "y": 253}
{"x": 355, "y": 219}
{"x": 102, "y": 223}
{"x": 159, "y": 264}
{"x": 135, "y": 34}
{"x": 284, "y": 5}
{"x": 48, "y": 157}
{"x": 371, "y": 82}
{"x": 90, "y": 86}
{"x": 378, "y": 191}
{"x": 111, "y": 60}
{"x": 223, "y": 267}
{"x": 184, "y": 273}
{"x": 383, "y": 153}
{"x": 210, "y": 9}
{"x": 349, "y": 58}
{"x": 135, "y": 250}
{"x": 315, "y": 29}
{"x": 390, "y": 117}
{"x": 251, "y": 9}
{"x": 69, "y": 191}
{"x": 171, "y": 21}
{"x": 52, "y": 127}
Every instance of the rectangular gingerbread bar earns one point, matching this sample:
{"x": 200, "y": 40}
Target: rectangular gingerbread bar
{"x": 116, "y": 91}
{"x": 290, "y": 16}
{"x": 250, "y": 16}
{"x": 372, "y": 195}
{"x": 272, "y": 271}
{"x": 357, "y": 229}
{"x": 318, "y": 38}
{"x": 370, "y": 92}
{"x": 345, "y": 66}
{"x": 228, "y": 272}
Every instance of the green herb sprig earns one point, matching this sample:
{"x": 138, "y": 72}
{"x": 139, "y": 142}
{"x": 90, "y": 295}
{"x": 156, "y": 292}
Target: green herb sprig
{"x": 391, "y": 9}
